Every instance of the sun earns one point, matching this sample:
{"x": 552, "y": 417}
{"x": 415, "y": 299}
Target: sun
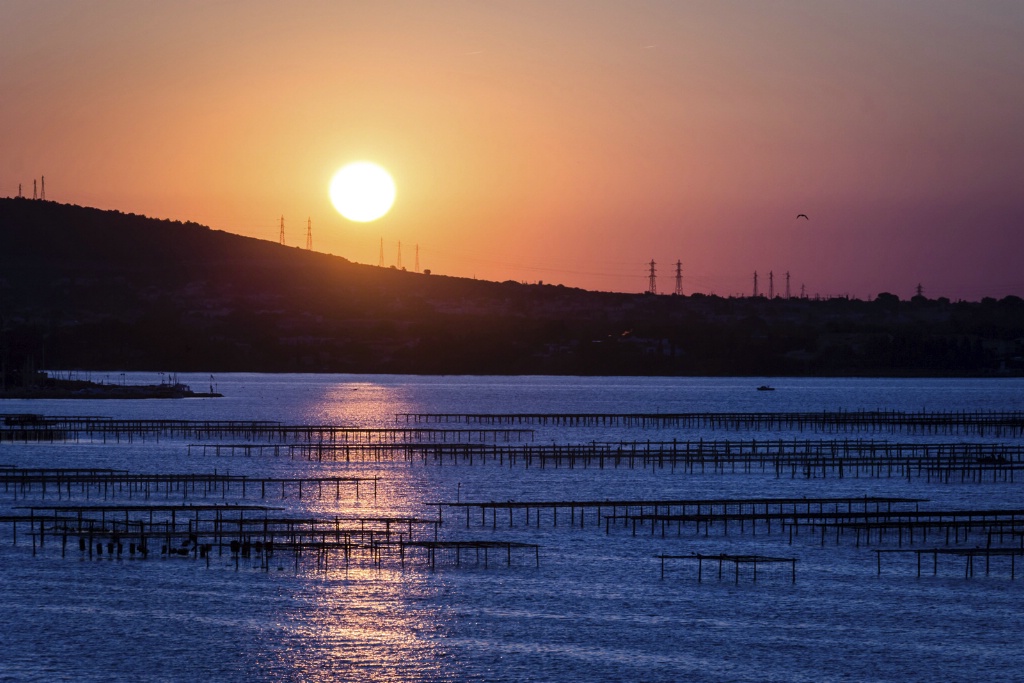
{"x": 362, "y": 191}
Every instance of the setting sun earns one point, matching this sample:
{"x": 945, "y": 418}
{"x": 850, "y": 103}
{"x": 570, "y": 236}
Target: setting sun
{"x": 362, "y": 191}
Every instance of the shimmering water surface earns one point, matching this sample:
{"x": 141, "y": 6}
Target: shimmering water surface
{"x": 597, "y": 608}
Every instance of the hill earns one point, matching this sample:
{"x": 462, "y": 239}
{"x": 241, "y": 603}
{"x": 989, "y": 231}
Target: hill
{"x": 101, "y": 290}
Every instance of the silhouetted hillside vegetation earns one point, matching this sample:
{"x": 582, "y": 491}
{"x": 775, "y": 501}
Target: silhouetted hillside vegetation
{"x": 101, "y": 290}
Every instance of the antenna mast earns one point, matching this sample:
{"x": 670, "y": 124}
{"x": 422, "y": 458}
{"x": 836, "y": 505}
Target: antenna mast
{"x": 281, "y": 237}
{"x": 380, "y": 262}
{"x": 417, "y": 269}
{"x": 309, "y": 234}
{"x": 787, "y": 284}
{"x": 42, "y": 187}
{"x": 399, "y": 265}
{"x": 771, "y": 285}
{"x": 755, "y": 284}
{"x": 35, "y": 193}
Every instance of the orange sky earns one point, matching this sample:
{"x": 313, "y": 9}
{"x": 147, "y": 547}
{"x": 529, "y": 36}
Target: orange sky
{"x": 569, "y": 142}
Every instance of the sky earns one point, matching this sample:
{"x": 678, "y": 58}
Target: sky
{"x": 569, "y": 142}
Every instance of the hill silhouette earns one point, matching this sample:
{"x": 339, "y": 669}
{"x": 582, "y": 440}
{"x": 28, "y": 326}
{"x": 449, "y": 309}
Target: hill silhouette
{"x": 82, "y": 288}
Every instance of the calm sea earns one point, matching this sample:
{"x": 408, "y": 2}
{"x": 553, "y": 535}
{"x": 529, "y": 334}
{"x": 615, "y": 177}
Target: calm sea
{"x": 596, "y": 608}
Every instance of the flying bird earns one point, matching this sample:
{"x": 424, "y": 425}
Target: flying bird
{"x": 803, "y": 215}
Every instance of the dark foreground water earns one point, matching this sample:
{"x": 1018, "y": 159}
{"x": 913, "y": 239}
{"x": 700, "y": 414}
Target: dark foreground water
{"x": 597, "y": 608}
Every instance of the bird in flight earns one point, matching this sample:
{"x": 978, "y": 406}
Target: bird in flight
{"x": 803, "y": 215}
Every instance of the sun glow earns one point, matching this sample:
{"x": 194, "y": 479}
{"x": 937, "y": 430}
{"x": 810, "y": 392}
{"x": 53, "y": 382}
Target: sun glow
{"x": 362, "y": 191}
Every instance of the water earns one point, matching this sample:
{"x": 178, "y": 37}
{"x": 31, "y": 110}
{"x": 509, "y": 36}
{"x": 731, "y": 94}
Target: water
{"x": 596, "y": 609}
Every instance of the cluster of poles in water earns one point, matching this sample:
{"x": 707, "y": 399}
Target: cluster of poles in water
{"x": 116, "y": 514}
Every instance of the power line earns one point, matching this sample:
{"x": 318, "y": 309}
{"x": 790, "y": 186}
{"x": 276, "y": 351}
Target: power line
{"x": 629, "y": 272}
{"x": 723, "y": 285}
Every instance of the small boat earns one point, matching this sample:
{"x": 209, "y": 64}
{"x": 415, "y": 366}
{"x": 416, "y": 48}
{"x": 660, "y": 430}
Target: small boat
{"x": 765, "y": 387}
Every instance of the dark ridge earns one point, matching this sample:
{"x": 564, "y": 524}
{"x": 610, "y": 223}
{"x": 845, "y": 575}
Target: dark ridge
{"x": 86, "y": 289}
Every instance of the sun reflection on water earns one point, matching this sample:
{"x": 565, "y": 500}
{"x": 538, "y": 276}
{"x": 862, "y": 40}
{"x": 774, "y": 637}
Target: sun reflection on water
{"x": 363, "y": 404}
{"x": 366, "y": 624}
{"x": 356, "y": 618}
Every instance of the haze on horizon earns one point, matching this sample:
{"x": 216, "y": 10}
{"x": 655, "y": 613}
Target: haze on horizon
{"x": 568, "y": 142}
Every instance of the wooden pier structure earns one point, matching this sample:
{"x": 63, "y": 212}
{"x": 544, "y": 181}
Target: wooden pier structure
{"x": 737, "y": 561}
{"x": 250, "y": 531}
{"x": 807, "y": 458}
{"x": 866, "y": 526}
{"x": 446, "y": 549}
{"x": 939, "y": 462}
{"x": 110, "y": 484}
{"x": 969, "y": 555}
{"x": 866, "y": 520}
{"x": 605, "y": 511}
{"x": 48, "y": 429}
{"x": 990, "y": 423}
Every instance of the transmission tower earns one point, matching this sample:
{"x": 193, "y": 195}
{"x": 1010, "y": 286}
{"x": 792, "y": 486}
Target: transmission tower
{"x": 380, "y": 261}
{"x": 417, "y": 268}
{"x": 35, "y": 193}
{"x": 281, "y": 236}
{"x": 755, "y": 284}
{"x": 920, "y": 289}
{"x": 771, "y": 285}
{"x": 19, "y": 190}
{"x": 787, "y": 284}
{"x": 652, "y": 287}
{"x": 42, "y": 187}
{"x": 309, "y": 234}
{"x": 679, "y": 278}
{"x": 399, "y": 264}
